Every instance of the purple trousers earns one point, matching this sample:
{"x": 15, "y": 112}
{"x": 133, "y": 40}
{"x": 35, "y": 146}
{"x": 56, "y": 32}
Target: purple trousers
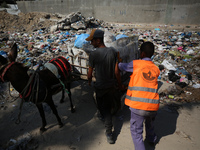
{"x": 136, "y": 127}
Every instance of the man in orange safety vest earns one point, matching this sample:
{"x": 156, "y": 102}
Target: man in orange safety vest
{"x": 142, "y": 96}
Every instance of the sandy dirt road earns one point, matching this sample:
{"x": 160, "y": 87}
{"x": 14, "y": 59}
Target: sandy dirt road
{"x": 177, "y": 125}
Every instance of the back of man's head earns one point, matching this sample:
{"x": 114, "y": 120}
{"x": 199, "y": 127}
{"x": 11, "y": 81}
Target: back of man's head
{"x": 95, "y": 34}
{"x": 147, "y": 48}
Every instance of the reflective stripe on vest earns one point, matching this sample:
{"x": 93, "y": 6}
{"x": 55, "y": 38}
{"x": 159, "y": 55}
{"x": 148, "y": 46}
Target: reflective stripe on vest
{"x": 143, "y": 89}
{"x": 143, "y": 99}
{"x": 146, "y": 100}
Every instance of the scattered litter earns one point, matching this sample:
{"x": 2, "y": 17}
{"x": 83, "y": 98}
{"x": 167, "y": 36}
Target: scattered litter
{"x": 24, "y": 142}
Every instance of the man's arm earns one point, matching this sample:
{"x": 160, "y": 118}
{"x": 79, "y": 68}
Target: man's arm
{"x": 128, "y": 67}
{"x": 118, "y": 76}
{"x": 90, "y": 76}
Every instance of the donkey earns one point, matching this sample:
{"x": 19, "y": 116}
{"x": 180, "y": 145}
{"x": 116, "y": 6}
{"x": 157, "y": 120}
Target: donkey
{"x": 40, "y": 85}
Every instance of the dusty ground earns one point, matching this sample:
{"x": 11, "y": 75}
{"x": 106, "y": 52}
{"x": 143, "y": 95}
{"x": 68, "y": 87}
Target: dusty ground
{"x": 177, "y": 125}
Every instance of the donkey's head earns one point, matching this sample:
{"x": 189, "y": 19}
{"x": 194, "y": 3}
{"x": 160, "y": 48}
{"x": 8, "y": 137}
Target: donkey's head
{"x": 11, "y": 56}
{"x": 5, "y": 63}
{"x": 13, "y": 53}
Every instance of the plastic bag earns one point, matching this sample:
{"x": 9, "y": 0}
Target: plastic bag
{"x": 109, "y": 38}
{"x": 196, "y": 86}
{"x": 120, "y": 36}
{"x": 172, "y": 76}
{"x": 80, "y": 40}
{"x": 3, "y": 53}
{"x": 168, "y": 65}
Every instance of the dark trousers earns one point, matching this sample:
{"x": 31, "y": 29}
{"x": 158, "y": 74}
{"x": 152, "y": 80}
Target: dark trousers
{"x": 107, "y": 104}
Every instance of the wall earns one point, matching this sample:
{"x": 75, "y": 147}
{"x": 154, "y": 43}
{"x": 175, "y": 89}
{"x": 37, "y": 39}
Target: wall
{"x": 133, "y": 11}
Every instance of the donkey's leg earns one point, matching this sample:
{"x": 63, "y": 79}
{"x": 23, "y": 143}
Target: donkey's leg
{"x": 41, "y": 111}
{"x": 70, "y": 98}
{"x": 53, "y": 108}
{"x": 63, "y": 96}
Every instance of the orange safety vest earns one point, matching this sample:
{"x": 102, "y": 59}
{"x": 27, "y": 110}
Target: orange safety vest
{"x": 142, "y": 91}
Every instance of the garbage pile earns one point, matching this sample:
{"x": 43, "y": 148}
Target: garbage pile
{"x": 77, "y": 21}
{"x": 177, "y": 52}
{"x": 30, "y": 22}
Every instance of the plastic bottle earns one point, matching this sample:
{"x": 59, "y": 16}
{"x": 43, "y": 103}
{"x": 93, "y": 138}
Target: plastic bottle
{"x": 171, "y": 96}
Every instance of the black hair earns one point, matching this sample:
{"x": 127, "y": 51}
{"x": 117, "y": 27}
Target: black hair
{"x": 147, "y": 48}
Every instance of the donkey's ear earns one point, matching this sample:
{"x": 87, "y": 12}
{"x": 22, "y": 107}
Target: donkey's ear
{"x": 13, "y": 53}
{"x": 3, "y": 60}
